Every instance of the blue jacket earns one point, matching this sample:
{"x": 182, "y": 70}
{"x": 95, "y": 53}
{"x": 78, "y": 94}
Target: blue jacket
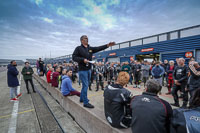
{"x": 157, "y": 71}
{"x": 66, "y": 86}
{"x": 12, "y": 76}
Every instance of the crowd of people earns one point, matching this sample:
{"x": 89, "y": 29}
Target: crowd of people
{"x": 146, "y": 113}
{"x": 113, "y": 79}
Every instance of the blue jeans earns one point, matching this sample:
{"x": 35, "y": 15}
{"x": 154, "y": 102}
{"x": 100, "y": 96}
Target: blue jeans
{"x": 13, "y": 90}
{"x": 84, "y": 76}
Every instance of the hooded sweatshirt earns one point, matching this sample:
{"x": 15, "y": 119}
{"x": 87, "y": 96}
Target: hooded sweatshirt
{"x": 66, "y": 86}
{"x": 12, "y": 76}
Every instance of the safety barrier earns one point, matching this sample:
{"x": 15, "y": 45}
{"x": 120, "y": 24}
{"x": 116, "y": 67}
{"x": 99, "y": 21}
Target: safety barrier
{"x": 91, "y": 120}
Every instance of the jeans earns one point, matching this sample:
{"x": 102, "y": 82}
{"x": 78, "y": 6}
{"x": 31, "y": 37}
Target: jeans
{"x": 159, "y": 80}
{"x": 84, "y": 76}
{"x": 13, "y": 90}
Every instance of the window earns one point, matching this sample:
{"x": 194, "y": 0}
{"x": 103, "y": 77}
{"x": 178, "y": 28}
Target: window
{"x": 124, "y": 45}
{"x": 190, "y": 32}
{"x": 173, "y": 35}
{"x": 115, "y": 47}
{"x": 136, "y": 42}
{"x": 150, "y": 40}
{"x": 162, "y": 37}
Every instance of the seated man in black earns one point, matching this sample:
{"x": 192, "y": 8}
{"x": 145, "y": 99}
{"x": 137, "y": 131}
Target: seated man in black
{"x": 117, "y": 102}
{"x": 187, "y": 120}
{"x": 150, "y": 114}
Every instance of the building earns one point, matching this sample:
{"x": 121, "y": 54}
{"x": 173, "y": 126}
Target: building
{"x": 170, "y": 45}
{"x": 5, "y": 62}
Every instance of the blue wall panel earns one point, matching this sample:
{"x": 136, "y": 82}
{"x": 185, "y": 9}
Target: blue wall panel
{"x": 182, "y": 44}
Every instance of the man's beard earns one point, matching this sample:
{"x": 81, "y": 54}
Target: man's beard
{"x": 15, "y": 65}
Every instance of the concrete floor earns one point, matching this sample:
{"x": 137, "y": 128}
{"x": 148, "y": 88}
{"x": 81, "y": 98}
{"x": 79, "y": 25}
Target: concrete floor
{"x": 96, "y": 98}
{"x": 28, "y": 120}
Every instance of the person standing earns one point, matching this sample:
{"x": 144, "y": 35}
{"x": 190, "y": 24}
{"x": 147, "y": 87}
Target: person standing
{"x": 55, "y": 75}
{"x": 99, "y": 77}
{"x": 49, "y": 75}
{"x": 170, "y": 70}
{"x": 12, "y": 80}
{"x": 194, "y": 84}
{"x": 157, "y": 73}
{"x": 180, "y": 82}
{"x": 145, "y": 72}
{"x": 83, "y": 54}
{"x": 41, "y": 67}
{"x": 137, "y": 74}
{"x": 27, "y": 72}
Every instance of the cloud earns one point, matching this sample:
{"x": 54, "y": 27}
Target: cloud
{"x": 56, "y": 33}
{"x": 38, "y": 2}
{"x": 91, "y": 14}
{"x": 47, "y": 20}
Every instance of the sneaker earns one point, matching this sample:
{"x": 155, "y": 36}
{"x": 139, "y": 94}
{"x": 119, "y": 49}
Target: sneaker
{"x": 80, "y": 101}
{"x": 14, "y": 99}
{"x": 20, "y": 94}
{"x": 34, "y": 91}
{"x": 139, "y": 86}
{"x": 88, "y": 105}
{"x": 175, "y": 104}
{"x": 28, "y": 93}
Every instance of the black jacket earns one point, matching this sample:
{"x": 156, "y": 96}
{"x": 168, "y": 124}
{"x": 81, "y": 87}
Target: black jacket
{"x": 81, "y": 53}
{"x": 180, "y": 74}
{"x": 178, "y": 122}
{"x": 116, "y": 101}
{"x": 150, "y": 114}
{"x": 194, "y": 79}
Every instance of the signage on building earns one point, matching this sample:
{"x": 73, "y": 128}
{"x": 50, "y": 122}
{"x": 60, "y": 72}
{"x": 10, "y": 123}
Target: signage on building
{"x": 188, "y": 54}
{"x": 147, "y": 49}
{"x": 112, "y": 54}
{"x": 131, "y": 58}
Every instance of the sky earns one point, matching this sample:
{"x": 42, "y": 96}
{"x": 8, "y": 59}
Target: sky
{"x": 52, "y": 28}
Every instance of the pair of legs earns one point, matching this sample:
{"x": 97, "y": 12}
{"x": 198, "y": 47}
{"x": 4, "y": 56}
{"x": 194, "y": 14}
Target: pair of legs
{"x": 170, "y": 84}
{"x": 13, "y": 92}
{"x": 85, "y": 79}
{"x": 72, "y": 93}
{"x": 145, "y": 80}
{"x": 27, "y": 87}
{"x": 137, "y": 79}
{"x": 175, "y": 95}
{"x": 159, "y": 80}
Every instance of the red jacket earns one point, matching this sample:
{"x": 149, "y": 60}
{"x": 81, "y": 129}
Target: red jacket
{"x": 54, "y": 81}
{"x": 49, "y": 76}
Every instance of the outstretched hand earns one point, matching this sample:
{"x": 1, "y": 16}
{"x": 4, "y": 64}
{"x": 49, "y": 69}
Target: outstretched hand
{"x": 111, "y": 44}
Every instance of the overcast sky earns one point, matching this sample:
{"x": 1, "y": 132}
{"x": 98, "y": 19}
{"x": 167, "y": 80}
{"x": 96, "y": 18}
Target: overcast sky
{"x": 34, "y": 28}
